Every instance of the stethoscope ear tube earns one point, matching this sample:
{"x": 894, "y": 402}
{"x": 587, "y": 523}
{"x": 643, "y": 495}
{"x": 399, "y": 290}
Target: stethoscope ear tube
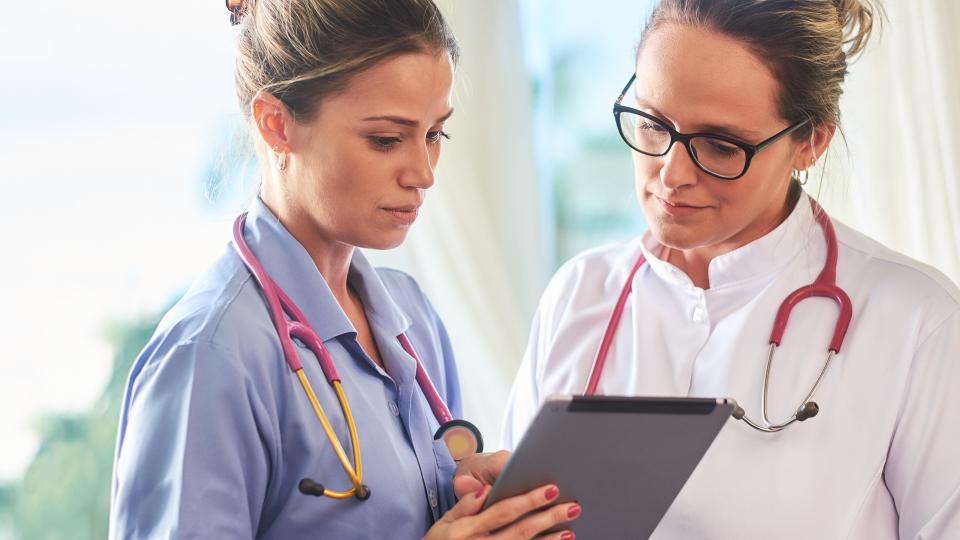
{"x": 311, "y": 487}
{"x": 308, "y": 486}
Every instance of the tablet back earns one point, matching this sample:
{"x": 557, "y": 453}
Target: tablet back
{"x": 623, "y": 459}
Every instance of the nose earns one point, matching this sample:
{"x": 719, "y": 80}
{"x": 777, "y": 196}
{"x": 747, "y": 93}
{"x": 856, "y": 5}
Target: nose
{"x": 678, "y": 168}
{"x": 418, "y": 172}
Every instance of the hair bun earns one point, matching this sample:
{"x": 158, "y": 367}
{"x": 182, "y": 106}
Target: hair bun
{"x": 237, "y": 8}
{"x": 857, "y": 20}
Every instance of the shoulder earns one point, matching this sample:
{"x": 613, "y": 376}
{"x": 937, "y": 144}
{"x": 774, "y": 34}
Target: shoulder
{"x": 894, "y": 281}
{"x": 220, "y": 322}
{"x": 590, "y": 275}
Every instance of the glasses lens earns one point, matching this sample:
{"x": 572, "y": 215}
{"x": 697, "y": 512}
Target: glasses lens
{"x": 644, "y": 134}
{"x": 718, "y": 156}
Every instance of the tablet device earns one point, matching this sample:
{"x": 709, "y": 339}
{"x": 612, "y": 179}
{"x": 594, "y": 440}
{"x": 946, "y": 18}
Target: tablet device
{"x": 623, "y": 459}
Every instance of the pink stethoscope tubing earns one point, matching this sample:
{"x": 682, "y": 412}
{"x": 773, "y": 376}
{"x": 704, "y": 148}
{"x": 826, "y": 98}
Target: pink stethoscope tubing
{"x": 824, "y": 286}
{"x": 280, "y": 306}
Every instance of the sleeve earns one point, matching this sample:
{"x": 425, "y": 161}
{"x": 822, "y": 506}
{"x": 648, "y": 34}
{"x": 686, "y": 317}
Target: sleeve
{"x": 192, "y": 460}
{"x": 525, "y": 395}
{"x": 923, "y": 463}
{"x": 524, "y": 400}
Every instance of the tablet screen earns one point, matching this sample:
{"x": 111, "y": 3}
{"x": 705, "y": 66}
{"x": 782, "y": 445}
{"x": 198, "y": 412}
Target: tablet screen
{"x": 623, "y": 459}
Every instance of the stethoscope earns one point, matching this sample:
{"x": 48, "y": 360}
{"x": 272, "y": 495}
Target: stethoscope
{"x": 460, "y": 436}
{"x": 824, "y": 286}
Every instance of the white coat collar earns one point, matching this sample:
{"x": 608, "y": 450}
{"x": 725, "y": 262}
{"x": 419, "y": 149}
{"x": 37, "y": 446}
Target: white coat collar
{"x": 764, "y": 256}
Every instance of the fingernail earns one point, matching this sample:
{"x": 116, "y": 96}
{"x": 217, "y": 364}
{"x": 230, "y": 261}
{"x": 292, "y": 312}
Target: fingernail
{"x": 568, "y": 535}
{"x": 479, "y": 492}
{"x": 574, "y": 511}
{"x": 551, "y": 493}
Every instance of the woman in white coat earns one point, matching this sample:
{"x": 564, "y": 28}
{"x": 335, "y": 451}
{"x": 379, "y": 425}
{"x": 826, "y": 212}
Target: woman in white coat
{"x": 732, "y": 101}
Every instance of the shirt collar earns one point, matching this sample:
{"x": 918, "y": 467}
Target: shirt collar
{"x": 290, "y": 266}
{"x": 764, "y": 256}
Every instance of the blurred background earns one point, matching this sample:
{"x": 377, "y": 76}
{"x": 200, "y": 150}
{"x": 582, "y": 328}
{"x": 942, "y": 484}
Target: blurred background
{"x": 123, "y": 161}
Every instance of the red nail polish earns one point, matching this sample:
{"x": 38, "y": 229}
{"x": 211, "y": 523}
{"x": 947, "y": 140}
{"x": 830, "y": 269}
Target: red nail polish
{"x": 574, "y": 511}
{"x": 551, "y": 493}
{"x": 568, "y": 535}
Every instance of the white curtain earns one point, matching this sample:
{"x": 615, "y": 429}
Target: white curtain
{"x": 900, "y": 183}
{"x": 477, "y": 249}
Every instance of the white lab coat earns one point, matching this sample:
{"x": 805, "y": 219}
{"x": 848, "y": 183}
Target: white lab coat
{"x": 882, "y": 460}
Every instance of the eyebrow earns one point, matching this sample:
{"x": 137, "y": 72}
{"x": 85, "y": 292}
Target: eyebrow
{"x": 736, "y": 132}
{"x": 733, "y": 131}
{"x": 405, "y": 121}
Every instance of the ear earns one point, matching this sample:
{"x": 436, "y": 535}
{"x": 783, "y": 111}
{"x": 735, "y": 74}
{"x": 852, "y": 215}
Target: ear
{"x": 273, "y": 121}
{"x": 810, "y": 150}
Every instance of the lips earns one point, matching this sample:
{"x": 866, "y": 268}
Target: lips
{"x": 405, "y": 208}
{"x": 679, "y": 203}
{"x": 403, "y": 215}
{"x": 678, "y": 208}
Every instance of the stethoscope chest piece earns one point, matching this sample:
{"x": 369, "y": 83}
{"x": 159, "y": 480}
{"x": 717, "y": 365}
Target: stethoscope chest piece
{"x": 462, "y": 438}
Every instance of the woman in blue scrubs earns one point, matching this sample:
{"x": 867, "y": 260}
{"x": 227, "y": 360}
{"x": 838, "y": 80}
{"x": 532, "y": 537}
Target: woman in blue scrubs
{"x": 347, "y": 102}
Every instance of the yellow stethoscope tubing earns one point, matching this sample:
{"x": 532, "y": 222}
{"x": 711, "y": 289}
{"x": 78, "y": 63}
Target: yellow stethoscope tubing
{"x": 279, "y": 306}
{"x": 354, "y": 472}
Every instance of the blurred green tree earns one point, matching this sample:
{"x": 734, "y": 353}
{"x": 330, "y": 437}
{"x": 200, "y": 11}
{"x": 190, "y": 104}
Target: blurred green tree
{"x": 65, "y": 492}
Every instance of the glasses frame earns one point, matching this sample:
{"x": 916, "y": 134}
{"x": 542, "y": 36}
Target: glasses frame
{"x": 750, "y": 150}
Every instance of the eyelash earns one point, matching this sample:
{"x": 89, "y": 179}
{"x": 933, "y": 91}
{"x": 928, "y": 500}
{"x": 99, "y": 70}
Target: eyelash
{"x": 436, "y": 135}
{"x": 385, "y": 144}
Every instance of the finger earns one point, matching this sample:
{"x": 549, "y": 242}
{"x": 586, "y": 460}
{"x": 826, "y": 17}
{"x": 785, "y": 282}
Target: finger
{"x": 484, "y": 467}
{"x": 534, "y": 524}
{"x": 509, "y": 510}
{"x": 498, "y": 460}
{"x": 559, "y": 535}
{"x": 465, "y": 484}
{"x": 467, "y": 505}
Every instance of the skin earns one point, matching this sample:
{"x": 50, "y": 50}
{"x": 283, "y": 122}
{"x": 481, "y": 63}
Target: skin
{"x": 699, "y": 80}
{"x": 356, "y": 173}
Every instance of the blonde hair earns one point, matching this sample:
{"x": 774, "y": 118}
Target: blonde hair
{"x": 808, "y": 44}
{"x": 301, "y": 51}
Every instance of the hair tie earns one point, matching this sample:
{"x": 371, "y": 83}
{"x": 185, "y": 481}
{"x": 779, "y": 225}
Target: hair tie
{"x": 237, "y": 8}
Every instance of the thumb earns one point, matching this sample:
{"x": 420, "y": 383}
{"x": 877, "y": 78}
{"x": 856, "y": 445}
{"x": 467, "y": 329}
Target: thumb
{"x": 465, "y": 484}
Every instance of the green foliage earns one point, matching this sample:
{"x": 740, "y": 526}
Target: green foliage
{"x": 65, "y": 492}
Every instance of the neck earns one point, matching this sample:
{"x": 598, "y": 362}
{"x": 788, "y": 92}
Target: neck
{"x": 693, "y": 262}
{"x": 332, "y": 258}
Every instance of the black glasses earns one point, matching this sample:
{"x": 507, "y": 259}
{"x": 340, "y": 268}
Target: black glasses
{"x": 717, "y": 155}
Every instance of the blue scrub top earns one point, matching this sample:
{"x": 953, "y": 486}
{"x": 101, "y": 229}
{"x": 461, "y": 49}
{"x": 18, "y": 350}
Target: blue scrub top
{"x": 216, "y": 431}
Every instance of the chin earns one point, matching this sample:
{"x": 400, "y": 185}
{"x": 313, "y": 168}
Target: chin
{"x": 677, "y": 237}
{"x": 384, "y": 241}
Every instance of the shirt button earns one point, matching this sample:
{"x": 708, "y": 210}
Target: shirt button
{"x": 432, "y": 493}
{"x": 394, "y": 410}
{"x": 699, "y": 314}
